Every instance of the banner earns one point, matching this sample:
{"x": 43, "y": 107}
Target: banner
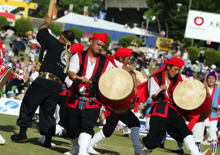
{"x": 71, "y": 7}
{"x": 54, "y": 13}
{"x": 102, "y": 15}
{"x": 86, "y": 11}
{"x": 10, "y": 106}
{"x": 203, "y": 26}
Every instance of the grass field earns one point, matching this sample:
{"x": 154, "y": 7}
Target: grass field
{"x": 112, "y": 146}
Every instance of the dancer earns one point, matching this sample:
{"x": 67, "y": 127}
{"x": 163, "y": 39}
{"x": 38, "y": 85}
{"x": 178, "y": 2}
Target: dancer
{"x": 211, "y": 122}
{"x": 45, "y": 90}
{"x": 128, "y": 118}
{"x": 82, "y": 112}
{"x": 164, "y": 117}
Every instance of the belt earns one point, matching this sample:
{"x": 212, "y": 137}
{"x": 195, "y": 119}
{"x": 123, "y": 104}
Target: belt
{"x": 50, "y": 76}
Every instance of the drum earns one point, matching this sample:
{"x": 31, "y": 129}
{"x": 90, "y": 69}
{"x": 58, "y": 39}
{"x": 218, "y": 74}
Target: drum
{"x": 140, "y": 77}
{"x": 5, "y": 72}
{"x": 191, "y": 99}
{"x": 116, "y": 89}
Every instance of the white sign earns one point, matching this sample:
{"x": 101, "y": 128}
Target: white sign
{"x": 10, "y": 106}
{"x": 203, "y": 26}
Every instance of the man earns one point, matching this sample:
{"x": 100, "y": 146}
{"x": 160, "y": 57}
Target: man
{"x": 202, "y": 58}
{"x": 164, "y": 117}
{"x": 212, "y": 68}
{"x": 196, "y": 67}
{"x": 45, "y": 90}
{"x": 128, "y": 118}
{"x": 83, "y": 110}
{"x": 210, "y": 123}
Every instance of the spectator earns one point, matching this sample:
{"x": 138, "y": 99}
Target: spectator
{"x": 18, "y": 64}
{"x": 196, "y": 67}
{"x": 170, "y": 53}
{"x": 185, "y": 56}
{"x": 9, "y": 33}
{"x": 22, "y": 62}
{"x": 134, "y": 43}
{"x": 212, "y": 68}
{"x": 188, "y": 66}
{"x": 150, "y": 53}
{"x": 3, "y": 34}
{"x": 25, "y": 38}
{"x": 204, "y": 68}
{"x": 143, "y": 44}
{"x": 177, "y": 53}
{"x": 202, "y": 58}
{"x": 10, "y": 63}
{"x": 158, "y": 61}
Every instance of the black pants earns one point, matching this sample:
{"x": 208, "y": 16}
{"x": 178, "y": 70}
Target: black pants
{"x": 127, "y": 118}
{"x": 47, "y": 99}
{"x": 173, "y": 124}
{"x": 78, "y": 121}
{"x": 62, "y": 111}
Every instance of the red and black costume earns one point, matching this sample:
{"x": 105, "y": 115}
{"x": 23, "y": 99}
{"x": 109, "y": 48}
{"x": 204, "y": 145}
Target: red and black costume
{"x": 81, "y": 111}
{"x": 164, "y": 117}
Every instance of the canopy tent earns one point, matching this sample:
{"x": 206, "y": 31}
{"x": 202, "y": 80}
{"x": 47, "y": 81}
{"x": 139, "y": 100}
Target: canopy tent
{"x": 7, "y": 15}
{"x": 88, "y": 24}
{"x": 142, "y": 32}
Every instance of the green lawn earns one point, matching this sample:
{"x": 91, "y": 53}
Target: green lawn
{"x": 112, "y": 146}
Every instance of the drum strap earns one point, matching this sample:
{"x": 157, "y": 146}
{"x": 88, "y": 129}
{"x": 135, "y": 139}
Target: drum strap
{"x": 193, "y": 121}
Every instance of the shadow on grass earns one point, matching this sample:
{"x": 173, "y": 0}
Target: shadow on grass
{"x": 170, "y": 151}
{"x": 9, "y": 128}
{"x": 55, "y": 141}
{"x": 106, "y": 151}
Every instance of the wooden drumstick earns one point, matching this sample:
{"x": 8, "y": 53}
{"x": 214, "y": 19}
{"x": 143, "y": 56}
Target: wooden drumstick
{"x": 82, "y": 78}
{"x": 41, "y": 53}
{"x": 159, "y": 90}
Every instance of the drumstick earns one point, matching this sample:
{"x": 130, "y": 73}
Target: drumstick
{"x": 41, "y": 53}
{"x": 16, "y": 76}
{"x": 159, "y": 90}
{"x": 82, "y": 78}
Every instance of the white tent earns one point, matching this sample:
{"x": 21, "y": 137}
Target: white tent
{"x": 142, "y": 32}
{"x": 81, "y": 20}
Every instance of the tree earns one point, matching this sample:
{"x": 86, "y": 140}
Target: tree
{"x": 125, "y": 41}
{"x": 3, "y": 22}
{"x": 77, "y": 32}
{"x": 22, "y": 26}
{"x": 56, "y": 29}
{"x": 168, "y": 15}
{"x": 63, "y": 5}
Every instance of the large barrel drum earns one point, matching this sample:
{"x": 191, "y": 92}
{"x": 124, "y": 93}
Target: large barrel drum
{"x": 140, "y": 77}
{"x": 116, "y": 89}
{"x": 5, "y": 72}
{"x": 191, "y": 99}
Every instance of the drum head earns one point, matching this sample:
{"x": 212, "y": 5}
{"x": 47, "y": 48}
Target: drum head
{"x": 140, "y": 76}
{"x": 189, "y": 94}
{"x": 116, "y": 84}
{"x": 4, "y": 77}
